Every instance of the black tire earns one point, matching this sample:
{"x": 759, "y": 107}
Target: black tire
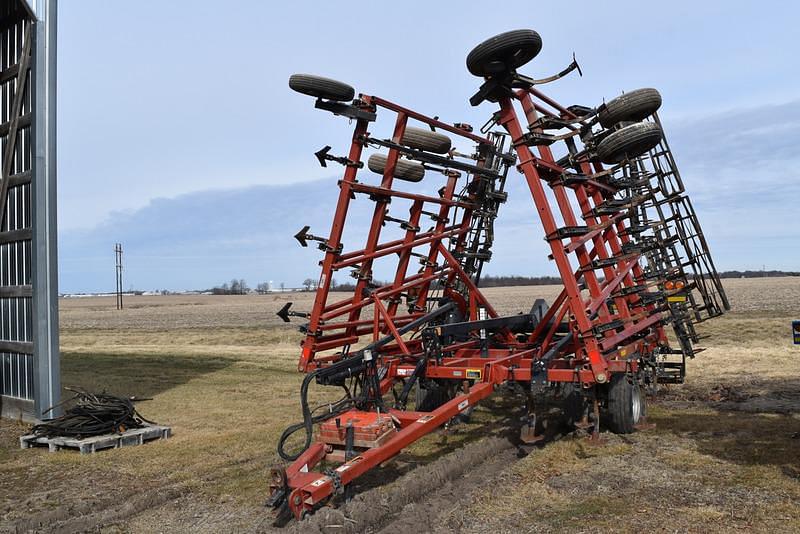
{"x": 426, "y": 140}
{"x": 504, "y": 53}
{"x": 432, "y": 399}
{"x": 320, "y": 87}
{"x": 573, "y": 404}
{"x": 634, "y": 106}
{"x": 626, "y": 404}
{"x": 629, "y": 142}
{"x": 410, "y": 171}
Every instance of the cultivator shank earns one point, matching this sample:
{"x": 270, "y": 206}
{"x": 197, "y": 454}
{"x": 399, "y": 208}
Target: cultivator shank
{"x": 620, "y": 229}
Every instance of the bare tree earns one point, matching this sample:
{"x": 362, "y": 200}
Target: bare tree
{"x": 308, "y": 283}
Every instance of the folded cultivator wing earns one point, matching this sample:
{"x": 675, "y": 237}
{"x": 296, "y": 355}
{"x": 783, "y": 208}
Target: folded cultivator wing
{"x": 621, "y": 231}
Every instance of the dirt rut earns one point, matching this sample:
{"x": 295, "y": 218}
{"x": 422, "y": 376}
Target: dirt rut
{"x": 419, "y": 499}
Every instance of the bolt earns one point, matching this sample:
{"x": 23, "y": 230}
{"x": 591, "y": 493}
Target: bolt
{"x": 601, "y": 378}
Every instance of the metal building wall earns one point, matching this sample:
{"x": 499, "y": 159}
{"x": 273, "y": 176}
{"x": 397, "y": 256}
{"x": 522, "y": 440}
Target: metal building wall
{"x": 29, "y": 370}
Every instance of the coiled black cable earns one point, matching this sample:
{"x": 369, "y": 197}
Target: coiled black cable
{"x": 92, "y": 415}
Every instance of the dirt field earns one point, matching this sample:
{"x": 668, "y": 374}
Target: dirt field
{"x": 725, "y": 453}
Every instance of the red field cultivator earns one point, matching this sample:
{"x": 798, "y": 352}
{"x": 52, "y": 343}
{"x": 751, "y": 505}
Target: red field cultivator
{"x": 620, "y": 229}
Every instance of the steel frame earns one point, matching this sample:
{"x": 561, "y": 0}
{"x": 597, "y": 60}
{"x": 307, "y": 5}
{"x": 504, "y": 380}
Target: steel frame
{"x": 29, "y": 358}
{"x": 605, "y": 321}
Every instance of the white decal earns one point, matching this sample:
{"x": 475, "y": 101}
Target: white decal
{"x": 342, "y": 468}
{"x": 320, "y": 481}
{"x": 304, "y": 469}
{"x": 463, "y": 404}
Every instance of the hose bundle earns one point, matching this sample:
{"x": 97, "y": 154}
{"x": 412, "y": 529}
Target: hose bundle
{"x": 92, "y": 415}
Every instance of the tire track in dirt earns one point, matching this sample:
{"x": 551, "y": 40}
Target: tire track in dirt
{"x": 91, "y": 516}
{"x": 418, "y": 500}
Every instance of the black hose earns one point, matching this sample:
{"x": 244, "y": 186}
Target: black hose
{"x": 309, "y": 419}
{"x": 338, "y": 373}
{"x": 92, "y": 415}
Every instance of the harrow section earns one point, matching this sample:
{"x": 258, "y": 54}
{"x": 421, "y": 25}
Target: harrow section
{"x": 620, "y": 228}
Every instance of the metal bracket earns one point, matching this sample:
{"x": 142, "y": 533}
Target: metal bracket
{"x": 345, "y": 110}
{"x": 323, "y": 157}
{"x": 303, "y": 237}
{"x": 285, "y": 312}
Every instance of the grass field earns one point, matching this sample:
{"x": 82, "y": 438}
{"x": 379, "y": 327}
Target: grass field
{"x": 221, "y": 371}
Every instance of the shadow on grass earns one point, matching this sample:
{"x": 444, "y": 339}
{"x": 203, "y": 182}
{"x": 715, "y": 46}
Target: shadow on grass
{"x": 736, "y": 436}
{"x": 140, "y": 375}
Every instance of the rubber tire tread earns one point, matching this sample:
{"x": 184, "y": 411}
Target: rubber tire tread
{"x": 320, "y": 87}
{"x": 434, "y": 398}
{"x": 573, "y": 404}
{"x": 633, "y": 106}
{"x": 524, "y": 44}
{"x": 428, "y": 140}
{"x": 629, "y": 142}
{"x": 620, "y": 406}
{"x": 410, "y": 171}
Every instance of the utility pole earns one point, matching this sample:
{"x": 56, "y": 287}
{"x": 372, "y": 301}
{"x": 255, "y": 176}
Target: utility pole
{"x": 118, "y": 254}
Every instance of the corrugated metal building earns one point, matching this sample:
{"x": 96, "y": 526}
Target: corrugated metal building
{"x": 29, "y": 357}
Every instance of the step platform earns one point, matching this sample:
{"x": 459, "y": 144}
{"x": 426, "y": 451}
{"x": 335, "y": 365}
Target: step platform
{"x": 134, "y": 436}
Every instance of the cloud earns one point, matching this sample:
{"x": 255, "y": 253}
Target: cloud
{"x": 739, "y": 169}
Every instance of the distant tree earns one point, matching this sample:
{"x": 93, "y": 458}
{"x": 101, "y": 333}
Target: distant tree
{"x": 243, "y": 289}
{"x": 262, "y": 288}
{"x": 334, "y": 283}
{"x": 236, "y": 287}
{"x": 283, "y": 286}
{"x": 308, "y": 283}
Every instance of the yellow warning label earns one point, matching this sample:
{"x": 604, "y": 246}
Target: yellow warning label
{"x": 475, "y": 374}
{"x": 676, "y": 299}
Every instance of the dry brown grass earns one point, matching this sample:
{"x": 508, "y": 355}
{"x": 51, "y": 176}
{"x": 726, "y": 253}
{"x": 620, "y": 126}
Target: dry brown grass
{"x": 220, "y": 370}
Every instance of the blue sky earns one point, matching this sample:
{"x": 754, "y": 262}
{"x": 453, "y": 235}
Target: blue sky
{"x": 179, "y": 137}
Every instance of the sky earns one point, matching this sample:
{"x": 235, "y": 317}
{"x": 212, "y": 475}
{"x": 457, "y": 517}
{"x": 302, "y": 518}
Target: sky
{"x": 179, "y": 137}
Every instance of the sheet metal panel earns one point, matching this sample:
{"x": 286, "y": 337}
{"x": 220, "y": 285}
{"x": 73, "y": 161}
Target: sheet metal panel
{"x": 28, "y": 378}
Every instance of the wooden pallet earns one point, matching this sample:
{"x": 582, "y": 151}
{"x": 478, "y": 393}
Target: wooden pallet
{"x": 136, "y": 436}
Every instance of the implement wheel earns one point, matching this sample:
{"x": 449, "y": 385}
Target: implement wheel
{"x": 634, "y": 106}
{"x": 430, "y": 399}
{"x": 426, "y": 140}
{"x": 573, "y": 405}
{"x": 410, "y": 171}
{"x": 504, "y": 52}
{"x": 629, "y": 142}
{"x": 626, "y": 404}
{"x": 320, "y": 87}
